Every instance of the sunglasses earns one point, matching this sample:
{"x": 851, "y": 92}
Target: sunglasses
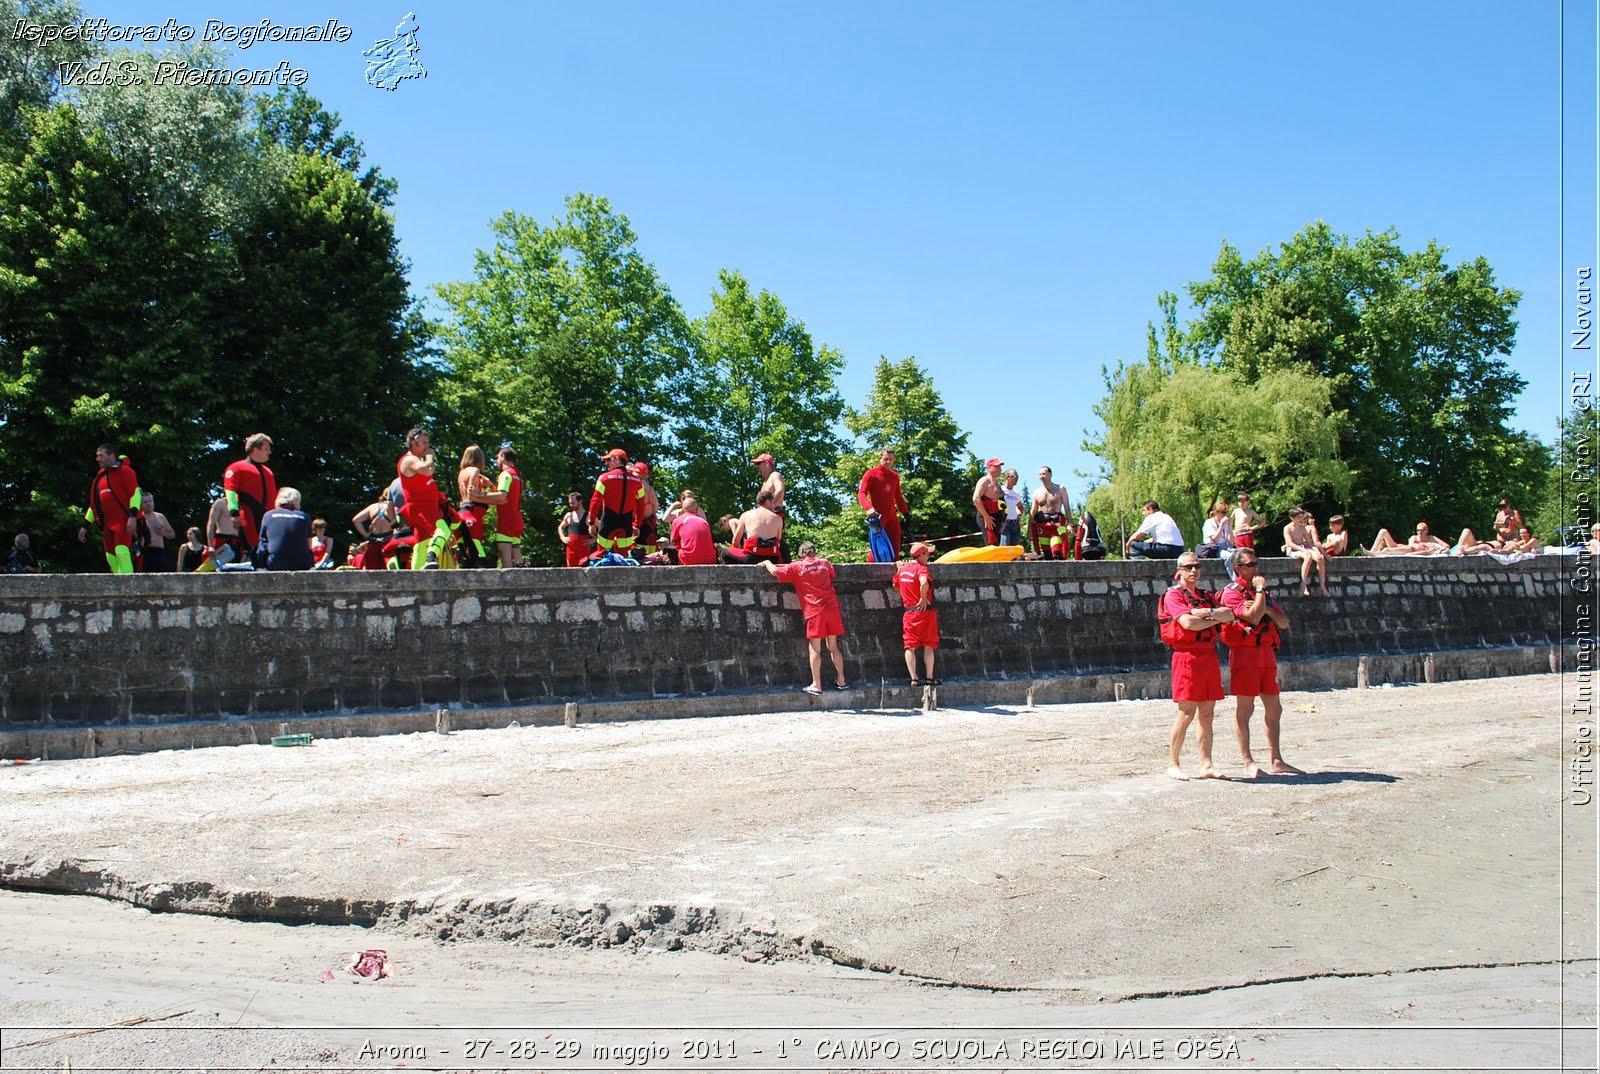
{"x": 1188, "y": 566}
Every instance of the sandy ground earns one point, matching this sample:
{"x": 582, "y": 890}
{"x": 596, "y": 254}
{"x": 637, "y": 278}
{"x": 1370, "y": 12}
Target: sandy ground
{"x": 1418, "y": 900}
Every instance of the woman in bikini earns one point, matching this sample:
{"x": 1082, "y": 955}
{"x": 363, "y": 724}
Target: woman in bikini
{"x": 477, "y": 493}
{"x": 1422, "y": 543}
{"x": 1300, "y": 541}
{"x": 1525, "y": 542}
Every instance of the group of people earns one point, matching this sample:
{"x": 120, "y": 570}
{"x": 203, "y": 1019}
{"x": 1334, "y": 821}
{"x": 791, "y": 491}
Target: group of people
{"x": 1052, "y": 528}
{"x": 1511, "y": 536}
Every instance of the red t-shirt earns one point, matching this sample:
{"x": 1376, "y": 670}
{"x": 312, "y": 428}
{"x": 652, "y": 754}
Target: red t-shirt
{"x": 813, "y": 580}
{"x": 909, "y": 578}
{"x": 692, "y": 535}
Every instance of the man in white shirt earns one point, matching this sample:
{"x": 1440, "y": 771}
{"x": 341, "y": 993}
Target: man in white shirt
{"x": 1011, "y": 532}
{"x": 1158, "y": 536}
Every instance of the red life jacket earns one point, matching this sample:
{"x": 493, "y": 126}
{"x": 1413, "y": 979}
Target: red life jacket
{"x": 1180, "y": 638}
{"x": 1241, "y": 635}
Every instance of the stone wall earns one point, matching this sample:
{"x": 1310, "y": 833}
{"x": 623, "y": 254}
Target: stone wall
{"x": 97, "y": 649}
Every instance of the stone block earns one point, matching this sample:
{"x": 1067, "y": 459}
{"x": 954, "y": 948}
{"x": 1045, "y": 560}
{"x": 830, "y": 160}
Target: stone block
{"x": 713, "y": 596}
{"x": 98, "y": 622}
{"x": 466, "y": 610}
{"x": 436, "y": 614}
{"x": 175, "y": 618}
{"x": 741, "y": 598}
{"x": 536, "y": 612}
{"x": 872, "y": 600}
{"x": 650, "y": 598}
{"x": 1096, "y": 587}
{"x": 769, "y": 598}
{"x": 686, "y": 596}
{"x": 636, "y": 622}
{"x": 241, "y": 612}
{"x": 578, "y": 611}
{"x": 271, "y": 618}
{"x": 11, "y": 623}
{"x": 622, "y": 600}
{"x": 207, "y": 616}
{"x": 44, "y": 609}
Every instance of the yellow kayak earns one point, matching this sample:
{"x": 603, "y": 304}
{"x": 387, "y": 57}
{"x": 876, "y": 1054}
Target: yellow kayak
{"x": 995, "y": 554}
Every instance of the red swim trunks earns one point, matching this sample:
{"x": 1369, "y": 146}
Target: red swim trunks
{"x": 921, "y": 629}
{"x": 826, "y": 623}
{"x": 1252, "y": 672}
{"x": 1196, "y": 677}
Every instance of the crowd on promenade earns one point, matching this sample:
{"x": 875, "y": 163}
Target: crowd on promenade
{"x": 414, "y": 524}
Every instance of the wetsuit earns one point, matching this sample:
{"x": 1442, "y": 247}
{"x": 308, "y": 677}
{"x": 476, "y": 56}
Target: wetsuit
{"x": 578, "y": 545}
{"x": 251, "y": 491}
{"x": 996, "y": 511}
{"x": 880, "y": 491}
{"x": 1196, "y": 675}
{"x": 429, "y": 515}
{"x": 618, "y": 504}
{"x": 508, "y": 517}
{"x": 1050, "y": 531}
{"x": 114, "y": 497}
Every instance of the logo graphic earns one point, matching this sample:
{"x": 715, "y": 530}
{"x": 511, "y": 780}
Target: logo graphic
{"x": 391, "y": 62}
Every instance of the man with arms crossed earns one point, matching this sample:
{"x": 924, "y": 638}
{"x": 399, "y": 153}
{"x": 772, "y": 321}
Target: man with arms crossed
{"x": 1050, "y": 524}
{"x": 1190, "y": 617}
{"x": 1252, "y": 639}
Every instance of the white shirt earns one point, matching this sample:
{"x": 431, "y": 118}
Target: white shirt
{"x": 1013, "y": 503}
{"x": 1214, "y": 532}
{"x": 1160, "y": 528}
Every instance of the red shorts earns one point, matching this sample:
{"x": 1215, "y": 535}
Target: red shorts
{"x": 578, "y": 551}
{"x": 1253, "y": 672}
{"x": 824, "y": 624}
{"x": 1244, "y": 540}
{"x": 921, "y": 629}
{"x": 1196, "y": 677}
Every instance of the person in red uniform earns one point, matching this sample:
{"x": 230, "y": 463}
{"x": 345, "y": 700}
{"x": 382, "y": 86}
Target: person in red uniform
{"x": 812, "y": 578}
{"x": 251, "y": 490}
{"x": 990, "y": 501}
{"x": 616, "y": 510}
{"x": 509, "y": 524}
{"x": 1190, "y": 617}
{"x": 649, "y": 528}
{"x": 920, "y": 623}
{"x": 879, "y": 494}
{"x": 1253, "y": 639}
{"x": 115, "y": 503}
{"x": 426, "y": 510}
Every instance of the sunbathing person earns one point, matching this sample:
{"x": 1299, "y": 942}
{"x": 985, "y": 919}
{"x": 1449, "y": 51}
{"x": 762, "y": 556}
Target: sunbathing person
{"x": 1422, "y": 543}
{"x": 1525, "y": 542}
{"x": 1301, "y": 542}
{"x": 1469, "y": 545}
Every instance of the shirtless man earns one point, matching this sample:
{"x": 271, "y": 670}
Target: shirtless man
{"x": 1301, "y": 542}
{"x": 1245, "y": 523}
{"x": 221, "y": 532}
{"x": 686, "y": 503}
{"x": 648, "y": 527}
{"x": 1051, "y": 521}
{"x": 756, "y": 533}
{"x": 1421, "y": 543}
{"x": 1506, "y": 522}
{"x": 772, "y": 482}
{"x": 990, "y": 501}
{"x": 1525, "y": 542}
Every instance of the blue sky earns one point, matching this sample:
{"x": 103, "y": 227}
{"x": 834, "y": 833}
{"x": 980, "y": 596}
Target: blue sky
{"x": 1000, "y": 190}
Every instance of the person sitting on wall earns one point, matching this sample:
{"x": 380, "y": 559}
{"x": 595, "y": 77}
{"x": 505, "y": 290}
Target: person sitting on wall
{"x": 1422, "y": 543}
{"x": 812, "y": 578}
{"x": 756, "y": 534}
{"x": 1300, "y": 541}
{"x": 692, "y": 541}
{"x": 1216, "y": 536}
{"x": 285, "y": 535}
{"x": 1158, "y": 536}
{"x": 1507, "y": 521}
{"x": 1337, "y": 542}
{"x": 1525, "y": 542}
{"x": 1469, "y": 545}
{"x": 21, "y": 560}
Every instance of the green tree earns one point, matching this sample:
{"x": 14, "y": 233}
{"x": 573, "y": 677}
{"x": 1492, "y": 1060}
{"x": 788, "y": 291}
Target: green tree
{"x": 322, "y": 349}
{"x": 905, "y": 413}
{"x": 1569, "y": 494}
{"x": 30, "y": 70}
{"x": 761, "y": 385}
{"x": 1414, "y": 348}
{"x": 565, "y": 342}
{"x": 104, "y": 335}
{"x": 292, "y": 119}
{"x": 1188, "y": 434}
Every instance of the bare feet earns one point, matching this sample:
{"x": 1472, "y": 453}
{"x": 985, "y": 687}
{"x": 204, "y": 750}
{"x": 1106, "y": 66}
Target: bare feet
{"x": 1251, "y": 770}
{"x": 1284, "y": 768}
{"x": 1177, "y": 773}
{"x": 1305, "y": 591}
{"x": 1325, "y": 591}
{"x": 1207, "y": 772}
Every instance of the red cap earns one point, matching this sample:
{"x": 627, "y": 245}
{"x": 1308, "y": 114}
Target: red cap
{"x": 918, "y": 548}
{"x": 640, "y": 469}
{"x": 763, "y": 457}
{"x": 615, "y": 453}
{"x": 994, "y": 462}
